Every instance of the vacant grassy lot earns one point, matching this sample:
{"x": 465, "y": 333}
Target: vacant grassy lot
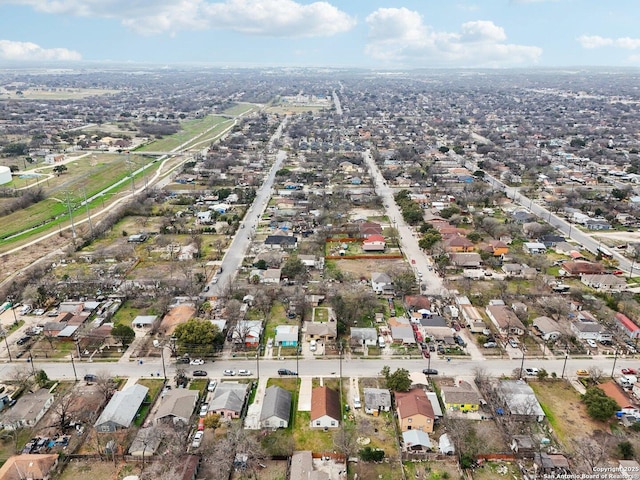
{"x": 565, "y": 412}
{"x": 81, "y": 470}
{"x": 190, "y": 129}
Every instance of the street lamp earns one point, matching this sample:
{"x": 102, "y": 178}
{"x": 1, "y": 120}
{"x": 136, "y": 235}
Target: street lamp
{"x": 566, "y": 355}
{"x": 3, "y": 333}
{"x": 75, "y": 374}
{"x": 615, "y": 359}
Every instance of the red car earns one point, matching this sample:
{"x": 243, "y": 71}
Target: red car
{"x": 413, "y": 261}
{"x": 618, "y": 272}
{"x": 629, "y": 371}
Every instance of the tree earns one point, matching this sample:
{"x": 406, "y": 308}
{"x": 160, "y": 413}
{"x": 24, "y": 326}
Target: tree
{"x": 123, "y": 334}
{"x": 63, "y": 411}
{"x": 294, "y": 269}
{"x": 42, "y": 378}
{"x": 197, "y": 335}
{"x": 625, "y": 450}
{"x": 399, "y": 381}
{"x": 212, "y": 420}
{"x": 368, "y": 454}
{"x": 106, "y": 385}
{"x": 58, "y": 169}
{"x": 599, "y": 405}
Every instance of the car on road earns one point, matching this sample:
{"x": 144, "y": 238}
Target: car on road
{"x": 286, "y": 371}
{"x": 214, "y": 280}
{"x": 531, "y": 371}
{"x": 629, "y": 371}
{"x": 196, "y": 361}
{"x": 582, "y": 372}
{"x": 618, "y": 272}
{"x": 197, "y": 439}
{"x": 229, "y": 373}
{"x": 182, "y": 360}
{"x": 244, "y": 373}
{"x": 200, "y": 373}
{"x": 430, "y": 371}
{"x": 413, "y": 261}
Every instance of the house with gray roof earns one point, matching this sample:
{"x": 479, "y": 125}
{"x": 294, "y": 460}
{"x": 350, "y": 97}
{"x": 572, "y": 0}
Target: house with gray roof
{"x": 276, "y": 408}
{"x": 377, "y": 400}
{"x": 121, "y": 409}
{"x": 548, "y": 328}
{"x": 28, "y": 410}
{"x": 381, "y": 283}
{"x": 229, "y": 398}
{"x": 519, "y": 400}
{"x": 176, "y": 406}
{"x": 364, "y": 336}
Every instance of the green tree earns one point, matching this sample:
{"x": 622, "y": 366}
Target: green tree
{"x": 368, "y": 454}
{"x": 429, "y": 239}
{"x": 261, "y": 264}
{"x": 15, "y": 149}
{"x": 625, "y": 450}
{"x": 293, "y": 269}
{"x": 599, "y": 405}
{"x": 58, "y": 169}
{"x": 443, "y": 149}
{"x": 399, "y": 381}
{"x": 42, "y": 378}
{"x": 123, "y": 334}
{"x": 475, "y": 237}
{"x": 198, "y": 335}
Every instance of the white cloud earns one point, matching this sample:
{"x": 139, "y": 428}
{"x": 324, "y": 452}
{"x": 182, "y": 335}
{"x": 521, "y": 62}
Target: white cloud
{"x": 27, "y": 51}
{"x": 596, "y": 41}
{"x": 399, "y": 36}
{"x": 286, "y": 18}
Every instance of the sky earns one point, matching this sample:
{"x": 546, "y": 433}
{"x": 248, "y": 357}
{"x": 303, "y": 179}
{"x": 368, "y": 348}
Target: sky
{"x": 391, "y": 34}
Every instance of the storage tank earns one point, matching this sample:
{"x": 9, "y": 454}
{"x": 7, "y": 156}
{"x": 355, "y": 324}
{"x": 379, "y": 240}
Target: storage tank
{"x": 5, "y": 175}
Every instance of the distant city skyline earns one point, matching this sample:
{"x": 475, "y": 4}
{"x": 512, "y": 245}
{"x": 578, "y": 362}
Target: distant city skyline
{"x": 334, "y": 33}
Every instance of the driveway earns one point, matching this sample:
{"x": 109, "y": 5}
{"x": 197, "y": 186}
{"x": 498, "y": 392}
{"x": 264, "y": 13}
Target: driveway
{"x": 304, "y": 398}
{"x": 252, "y": 420}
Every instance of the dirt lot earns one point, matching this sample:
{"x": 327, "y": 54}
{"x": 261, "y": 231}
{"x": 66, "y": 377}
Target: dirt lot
{"x": 565, "y": 412}
{"x": 91, "y": 469}
{"x": 363, "y": 268}
{"x": 273, "y": 470}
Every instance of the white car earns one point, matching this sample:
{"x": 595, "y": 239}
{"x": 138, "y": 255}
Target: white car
{"x": 244, "y": 373}
{"x": 533, "y": 372}
{"x": 204, "y": 409}
{"x": 356, "y": 402}
{"x": 229, "y": 373}
{"x": 197, "y": 439}
{"x": 212, "y": 385}
{"x": 196, "y": 361}
{"x": 592, "y": 343}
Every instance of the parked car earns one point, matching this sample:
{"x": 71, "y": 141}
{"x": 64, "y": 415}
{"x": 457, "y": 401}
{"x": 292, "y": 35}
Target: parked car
{"x": 285, "y": 371}
{"x": 356, "y": 402}
{"x": 592, "y": 343}
{"x": 212, "y": 385}
{"x": 90, "y": 378}
{"x": 204, "y": 409}
{"x": 196, "y": 361}
{"x": 182, "y": 360}
{"x": 229, "y": 373}
{"x": 23, "y": 340}
{"x": 244, "y": 373}
{"x": 197, "y": 439}
{"x": 629, "y": 371}
{"x": 490, "y": 345}
{"x": 201, "y": 425}
{"x": 430, "y": 371}
{"x": 200, "y": 373}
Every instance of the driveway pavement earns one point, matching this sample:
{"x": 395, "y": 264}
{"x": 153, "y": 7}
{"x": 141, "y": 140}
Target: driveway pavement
{"x": 304, "y": 398}
{"x": 252, "y": 420}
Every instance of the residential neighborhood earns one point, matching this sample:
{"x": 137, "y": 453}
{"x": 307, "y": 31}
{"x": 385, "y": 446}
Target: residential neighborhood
{"x": 295, "y": 274}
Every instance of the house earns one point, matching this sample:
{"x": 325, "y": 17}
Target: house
{"x": 247, "y": 332}
{"x": 548, "y": 465}
{"x": 146, "y": 442}
{"x": 374, "y": 243}
{"x": 586, "y": 330}
{"x": 325, "y": 408}
{"x": 580, "y": 267}
{"x": 523, "y": 446}
{"x": 604, "y": 282}
{"x": 465, "y": 260}
{"x": 627, "y": 326}
{"x": 614, "y": 391}
{"x": 302, "y": 467}
{"x": 287, "y": 335}
{"x": 498, "y": 248}
{"x": 534, "y": 248}
{"x": 364, "y": 336}
{"x": 28, "y": 410}
{"x": 402, "y": 334}
{"x": 550, "y": 241}
{"x": 414, "y": 411}
{"x": 381, "y": 283}
{"x": 519, "y": 400}
{"x": 597, "y": 224}
{"x": 276, "y": 408}
{"x": 121, "y": 409}
{"x": 462, "y": 397}
{"x": 285, "y": 242}
{"x": 416, "y": 441}
{"x": 548, "y": 328}
{"x": 377, "y": 400}
{"x": 176, "y": 406}
{"x": 320, "y": 330}
{"x": 505, "y": 320}
{"x": 512, "y": 269}
{"x": 271, "y": 275}
{"x": 228, "y": 399}
{"x": 522, "y": 216}
{"x": 144, "y": 321}
{"x": 417, "y": 302}
{"x": 31, "y": 466}
{"x": 473, "y": 318}
{"x": 370, "y": 228}
{"x": 458, "y": 243}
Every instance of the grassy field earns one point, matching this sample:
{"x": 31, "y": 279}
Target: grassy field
{"x": 190, "y": 129}
{"x": 59, "y": 93}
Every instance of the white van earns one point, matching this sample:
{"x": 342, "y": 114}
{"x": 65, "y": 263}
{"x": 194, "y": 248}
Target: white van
{"x": 313, "y": 345}
{"x": 381, "y": 342}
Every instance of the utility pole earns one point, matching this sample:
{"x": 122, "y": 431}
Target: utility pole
{"x": 73, "y": 227}
{"x": 133, "y": 185}
{"x": 86, "y": 204}
{"x": 75, "y": 374}
{"x": 4, "y": 334}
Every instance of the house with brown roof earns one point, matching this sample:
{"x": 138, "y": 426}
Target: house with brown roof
{"x": 33, "y": 466}
{"x": 580, "y": 267}
{"x": 497, "y": 248}
{"x": 414, "y": 411}
{"x": 505, "y": 320}
{"x": 325, "y": 408}
{"x": 458, "y": 243}
{"x": 370, "y": 228}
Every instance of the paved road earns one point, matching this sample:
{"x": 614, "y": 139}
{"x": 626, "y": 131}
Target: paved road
{"x": 319, "y": 367}
{"x": 408, "y": 238}
{"x": 571, "y": 231}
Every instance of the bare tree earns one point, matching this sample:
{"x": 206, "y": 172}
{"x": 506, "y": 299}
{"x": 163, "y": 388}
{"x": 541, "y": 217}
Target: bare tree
{"x": 592, "y": 451}
{"x": 63, "y": 409}
{"x": 106, "y": 385}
